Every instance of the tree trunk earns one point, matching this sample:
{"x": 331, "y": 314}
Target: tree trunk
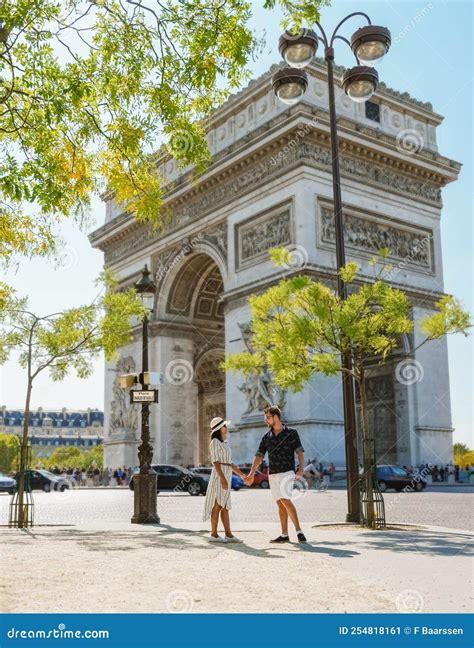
{"x": 367, "y": 451}
{"x": 24, "y": 459}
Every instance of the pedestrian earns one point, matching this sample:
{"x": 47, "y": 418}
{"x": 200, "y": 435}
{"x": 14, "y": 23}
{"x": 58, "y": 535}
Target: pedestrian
{"x": 281, "y": 443}
{"x": 218, "y": 491}
{"x": 311, "y": 474}
{"x": 441, "y": 474}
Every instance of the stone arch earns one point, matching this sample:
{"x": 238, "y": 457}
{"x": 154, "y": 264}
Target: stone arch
{"x": 177, "y": 288}
{"x": 190, "y": 313}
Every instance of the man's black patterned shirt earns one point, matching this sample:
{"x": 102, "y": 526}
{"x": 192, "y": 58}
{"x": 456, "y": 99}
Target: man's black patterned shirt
{"x": 281, "y": 449}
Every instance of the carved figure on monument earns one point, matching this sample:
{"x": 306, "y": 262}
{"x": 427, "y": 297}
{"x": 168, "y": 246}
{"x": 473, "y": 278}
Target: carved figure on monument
{"x": 123, "y": 416}
{"x": 372, "y": 237}
{"x": 259, "y": 389}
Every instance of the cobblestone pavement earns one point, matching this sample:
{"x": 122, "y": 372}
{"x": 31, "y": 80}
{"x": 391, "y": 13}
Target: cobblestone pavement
{"x": 448, "y": 507}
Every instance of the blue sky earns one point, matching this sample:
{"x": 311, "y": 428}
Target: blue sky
{"x": 431, "y": 58}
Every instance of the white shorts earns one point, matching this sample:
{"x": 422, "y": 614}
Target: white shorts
{"x": 281, "y": 484}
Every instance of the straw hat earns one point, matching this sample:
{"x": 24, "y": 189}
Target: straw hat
{"x": 218, "y": 422}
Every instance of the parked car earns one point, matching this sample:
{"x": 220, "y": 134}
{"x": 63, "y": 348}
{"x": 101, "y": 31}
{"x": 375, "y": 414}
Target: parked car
{"x": 398, "y": 478}
{"x": 237, "y": 482}
{"x": 260, "y": 479}
{"x": 7, "y": 484}
{"x": 177, "y": 478}
{"x": 44, "y": 480}
{"x": 205, "y": 471}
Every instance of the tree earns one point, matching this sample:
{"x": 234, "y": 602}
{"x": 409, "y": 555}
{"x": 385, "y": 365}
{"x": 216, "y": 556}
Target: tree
{"x": 460, "y": 448}
{"x": 65, "y": 457}
{"x": 90, "y": 88}
{"x": 64, "y": 341}
{"x": 301, "y": 327}
{"x": 76, "y": 457}
{"x": 94, "y": 457}
{"x": 9, "y": 444}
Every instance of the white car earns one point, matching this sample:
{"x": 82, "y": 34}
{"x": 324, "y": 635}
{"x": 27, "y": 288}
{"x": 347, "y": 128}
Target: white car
{"x": 7, "y": 484}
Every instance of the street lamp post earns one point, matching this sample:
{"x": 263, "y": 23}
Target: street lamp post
{"x": 145, "y": 481}
{"x": 369, "y": 44}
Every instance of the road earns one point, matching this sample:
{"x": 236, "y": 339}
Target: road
{"x": 447, "y": 507}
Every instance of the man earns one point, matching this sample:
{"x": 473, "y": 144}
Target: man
{"x": 311, "y": 473}
{"x": 281, "y": 443}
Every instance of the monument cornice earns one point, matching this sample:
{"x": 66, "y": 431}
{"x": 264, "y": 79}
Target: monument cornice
{"x": 239, "y": 296}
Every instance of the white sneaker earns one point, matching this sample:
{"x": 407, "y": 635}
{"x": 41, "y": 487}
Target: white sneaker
{"x": 218, "y": 539}
{"x": 234, "y": 539}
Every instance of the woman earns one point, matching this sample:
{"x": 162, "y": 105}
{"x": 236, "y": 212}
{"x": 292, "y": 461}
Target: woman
{"x": 220, "y": 481}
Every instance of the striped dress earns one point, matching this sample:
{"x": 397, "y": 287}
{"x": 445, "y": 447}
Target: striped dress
{"x": 219, "y": 451}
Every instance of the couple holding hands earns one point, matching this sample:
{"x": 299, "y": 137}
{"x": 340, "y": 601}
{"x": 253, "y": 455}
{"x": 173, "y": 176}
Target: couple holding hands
{"x": 281, "y": 443}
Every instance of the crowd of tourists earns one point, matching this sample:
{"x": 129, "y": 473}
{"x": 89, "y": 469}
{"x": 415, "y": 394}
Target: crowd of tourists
{"x": 94, "y": 476}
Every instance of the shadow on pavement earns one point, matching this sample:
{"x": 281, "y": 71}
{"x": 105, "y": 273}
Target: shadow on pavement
{"x": 428, "y": 543}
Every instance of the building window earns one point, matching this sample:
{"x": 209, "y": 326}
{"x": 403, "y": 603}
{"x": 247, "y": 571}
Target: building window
{"x": 372, "y": 111}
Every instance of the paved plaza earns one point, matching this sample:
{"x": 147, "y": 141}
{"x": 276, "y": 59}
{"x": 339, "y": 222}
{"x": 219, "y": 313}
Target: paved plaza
{"x": 89, "y": 558}
{"x": 439, "y": 506}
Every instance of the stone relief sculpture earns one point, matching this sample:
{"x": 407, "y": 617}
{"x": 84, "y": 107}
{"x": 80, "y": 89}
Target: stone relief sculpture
{"x": 259, "y": 388}
{"x": 371, "y": 237}
{"x": 123, "y": 416}
{"x": 270, "y": 232}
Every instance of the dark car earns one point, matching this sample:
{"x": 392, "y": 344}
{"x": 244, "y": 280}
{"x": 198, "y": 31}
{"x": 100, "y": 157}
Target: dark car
{"x": 7, "y": 484}
{"x": 178, "y": 479}
{"x": 44, "y": 480}
{"x": 399, "y": 479}
{"x": 205, "y": 471}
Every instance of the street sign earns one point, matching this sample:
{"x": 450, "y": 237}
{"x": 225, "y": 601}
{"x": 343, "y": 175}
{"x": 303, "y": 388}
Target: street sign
{"x": 144, "y": 396}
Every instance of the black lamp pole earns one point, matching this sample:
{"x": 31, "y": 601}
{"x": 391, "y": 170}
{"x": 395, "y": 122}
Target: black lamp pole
{"x": 348, "y": 391}
{"x": 369, "y": 44}
{"x": 145, "y": 482}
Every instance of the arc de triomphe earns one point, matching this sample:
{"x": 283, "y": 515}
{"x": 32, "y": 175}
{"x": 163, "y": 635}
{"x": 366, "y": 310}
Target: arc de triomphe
{"x": 270, "y": 184}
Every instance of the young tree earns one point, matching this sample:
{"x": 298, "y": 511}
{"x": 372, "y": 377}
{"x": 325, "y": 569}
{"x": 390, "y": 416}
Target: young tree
{"x": 301, "y": 327}
{"x": 90, "y": 88}
{"x": 61, "y": 342}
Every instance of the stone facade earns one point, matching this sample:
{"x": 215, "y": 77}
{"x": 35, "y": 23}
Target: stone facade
{"x": 270, "y": 184}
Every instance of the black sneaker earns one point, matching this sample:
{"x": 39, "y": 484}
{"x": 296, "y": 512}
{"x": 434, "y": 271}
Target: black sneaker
{"x": 302, "y": 538}
{"x": 281, "y": 539}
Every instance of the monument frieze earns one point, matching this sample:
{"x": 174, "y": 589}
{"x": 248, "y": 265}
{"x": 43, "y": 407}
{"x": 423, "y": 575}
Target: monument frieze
{"x": 369, "y": 236}
{"x": 265, "y": 170}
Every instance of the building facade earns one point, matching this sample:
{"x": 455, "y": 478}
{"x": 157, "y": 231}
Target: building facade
{"x": 270, "y": 184}
{"x": 49, "y": 430}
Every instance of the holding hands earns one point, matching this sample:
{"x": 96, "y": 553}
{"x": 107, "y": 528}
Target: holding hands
{"x": 248, "y": 479}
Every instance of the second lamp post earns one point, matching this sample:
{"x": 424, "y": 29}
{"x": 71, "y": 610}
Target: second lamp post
{"x": 145, "y": 481}
{"x": 369, "y": 45}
